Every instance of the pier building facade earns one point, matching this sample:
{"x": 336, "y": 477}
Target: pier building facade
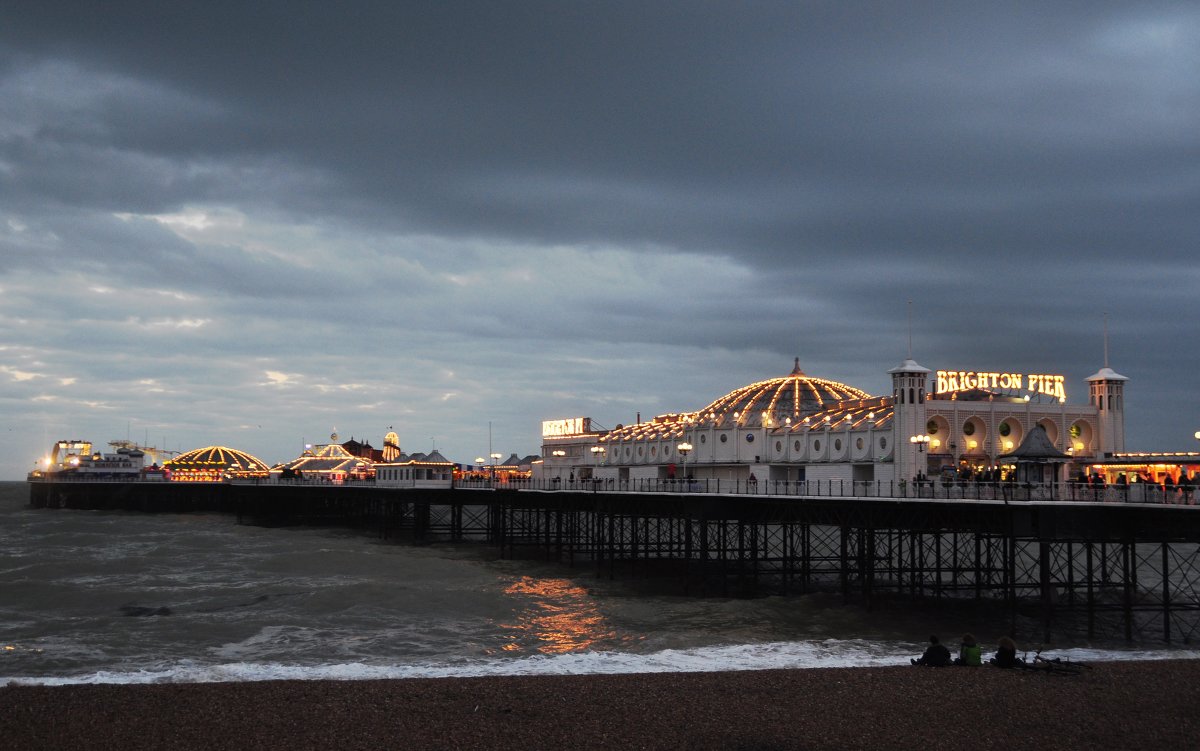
{"x": 800, "y": 428}
{"x": 416, "y": 470}
{"x": 78, "y": 458}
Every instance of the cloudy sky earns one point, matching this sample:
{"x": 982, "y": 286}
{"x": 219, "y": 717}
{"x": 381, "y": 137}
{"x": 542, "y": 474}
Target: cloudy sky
{"x": 255, "y": 223}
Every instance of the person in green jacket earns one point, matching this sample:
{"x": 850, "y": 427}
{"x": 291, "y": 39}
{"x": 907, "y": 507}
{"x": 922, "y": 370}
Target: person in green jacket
{"x": 969, "y": 653}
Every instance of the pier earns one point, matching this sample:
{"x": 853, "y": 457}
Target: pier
{"x": 1098, "y": 566}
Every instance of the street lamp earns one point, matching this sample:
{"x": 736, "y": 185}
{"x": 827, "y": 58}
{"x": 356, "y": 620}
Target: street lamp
{"x": 597, "y": 451}
{"x": 495, "y": 458}
{"x": 684, "y": 449}
{"x": 920, "y": 441}
{"x": 558, "y": 455}
{"x": 479, "y": 462}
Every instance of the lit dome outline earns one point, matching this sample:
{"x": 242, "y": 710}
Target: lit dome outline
{"x": 217, "y": 457}
{"x": 775, "y": 401}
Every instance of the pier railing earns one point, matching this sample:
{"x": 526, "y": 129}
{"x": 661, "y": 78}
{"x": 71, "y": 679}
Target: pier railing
{"x": 930, "y": 489}
{"x": 1138, "y": 493}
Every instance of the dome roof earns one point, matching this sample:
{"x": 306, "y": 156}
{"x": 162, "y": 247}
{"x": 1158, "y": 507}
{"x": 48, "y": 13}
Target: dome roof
{"x": 876, "y": 413}
{"x": 775, "y": 401}
{"x": 217, "y": 457}
{"x": 781, "y": 402}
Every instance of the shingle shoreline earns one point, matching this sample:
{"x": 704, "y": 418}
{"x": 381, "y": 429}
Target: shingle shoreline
{"x": 1127, "y": 705}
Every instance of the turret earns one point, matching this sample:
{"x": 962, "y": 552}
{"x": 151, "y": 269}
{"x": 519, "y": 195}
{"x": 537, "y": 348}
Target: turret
{"x": 1107, "y": 394}
{"x": 909, "y": 382}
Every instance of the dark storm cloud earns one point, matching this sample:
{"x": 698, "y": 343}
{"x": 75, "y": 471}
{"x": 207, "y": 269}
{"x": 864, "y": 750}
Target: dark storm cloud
{"x": 460, "y": 195}
{"x": 772, "y": 131}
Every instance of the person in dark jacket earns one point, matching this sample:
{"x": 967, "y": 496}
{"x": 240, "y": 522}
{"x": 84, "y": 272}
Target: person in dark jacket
{"x": 936, "y": 656}
{"x": 1006, "y": 654}
{"x": 969, "y": 653}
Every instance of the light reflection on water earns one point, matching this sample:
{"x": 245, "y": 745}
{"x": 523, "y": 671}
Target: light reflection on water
{"x": 557, "y": 617}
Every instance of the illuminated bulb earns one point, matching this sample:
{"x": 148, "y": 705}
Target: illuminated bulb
{"x": 973, "y": 444}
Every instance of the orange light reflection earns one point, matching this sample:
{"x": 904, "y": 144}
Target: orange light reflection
{"x": 559, "y": 618}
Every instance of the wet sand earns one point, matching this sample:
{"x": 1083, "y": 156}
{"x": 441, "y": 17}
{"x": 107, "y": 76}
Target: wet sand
{"x": 1126, "y": 705}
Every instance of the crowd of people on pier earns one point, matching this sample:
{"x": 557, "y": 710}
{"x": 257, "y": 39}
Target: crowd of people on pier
{"x": 970, "y": 654}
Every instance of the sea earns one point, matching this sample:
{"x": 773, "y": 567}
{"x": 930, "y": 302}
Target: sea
{"x": 126, "y": 597}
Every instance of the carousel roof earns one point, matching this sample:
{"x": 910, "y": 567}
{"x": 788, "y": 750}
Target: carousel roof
{"x": 1036, "y": 447}
{"x": 329, "y": 457}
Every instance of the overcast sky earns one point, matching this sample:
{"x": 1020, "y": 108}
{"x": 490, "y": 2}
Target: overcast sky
{"x": 252, "y": 224}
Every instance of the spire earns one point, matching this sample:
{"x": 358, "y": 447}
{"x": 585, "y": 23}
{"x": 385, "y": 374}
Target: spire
{"x": 1106, "y": 373}
{"x": 1106, "y": 340}
{"x": 910, "y": 329}
{"x": 796, "y": 371}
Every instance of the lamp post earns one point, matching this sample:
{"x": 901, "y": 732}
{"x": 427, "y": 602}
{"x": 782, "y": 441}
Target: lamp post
{"x": 495, "y": 458}
{"x": 558, "y": 455}
{"x": 684, "y": 449}
{"x": 479, "y": 460}
{"x": 920, "y": 441}
{"x": 597, "y": 451}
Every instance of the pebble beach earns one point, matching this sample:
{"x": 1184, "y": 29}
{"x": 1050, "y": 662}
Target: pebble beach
{"x": 1126, "y": 705}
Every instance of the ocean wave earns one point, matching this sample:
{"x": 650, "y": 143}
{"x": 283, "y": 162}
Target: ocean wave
{"x": 778, "y": 655}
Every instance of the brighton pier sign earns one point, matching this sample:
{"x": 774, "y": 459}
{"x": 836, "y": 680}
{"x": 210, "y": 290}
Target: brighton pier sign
{"x": 964, "y": 380}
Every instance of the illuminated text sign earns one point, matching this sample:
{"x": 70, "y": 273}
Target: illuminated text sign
{"x": 964, "y": 380}
{"x": 569, "y": 426}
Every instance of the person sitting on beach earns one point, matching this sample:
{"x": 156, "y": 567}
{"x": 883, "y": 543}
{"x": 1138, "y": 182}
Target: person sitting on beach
{"x": 936, "y": 656}
{"x": 969, "y": 653}
{"x": 1006, "y": 654}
